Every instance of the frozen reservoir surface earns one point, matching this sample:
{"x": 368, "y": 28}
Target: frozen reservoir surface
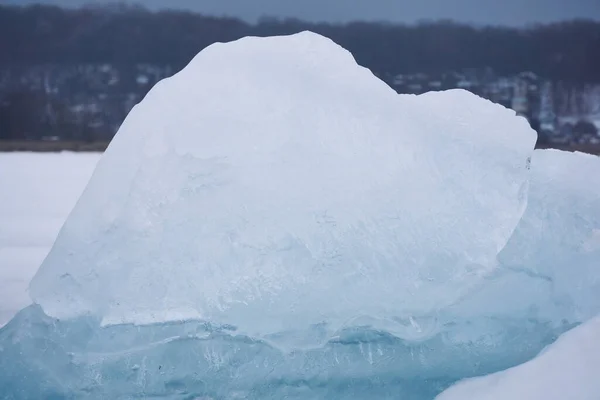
{"x": 275, "y": 222}
{"x": 37, "y": 192}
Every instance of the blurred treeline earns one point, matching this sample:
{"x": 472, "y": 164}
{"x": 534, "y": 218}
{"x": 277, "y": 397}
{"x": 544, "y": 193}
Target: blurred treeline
{"x": 73, "y": 74}
{"x": 125, "y": 34}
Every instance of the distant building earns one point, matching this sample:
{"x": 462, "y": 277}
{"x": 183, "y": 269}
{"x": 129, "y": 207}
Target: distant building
{"x": 547, "y": 116}
{"x": 398, "y": 80}
{"x": 520, "y": 101}
{"x": 415, "y": 88}
{"x": 465, "y": 84}
{"x": 142, "y": 80}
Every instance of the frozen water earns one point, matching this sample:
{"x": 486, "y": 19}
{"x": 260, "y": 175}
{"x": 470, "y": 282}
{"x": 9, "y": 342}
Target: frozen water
{"x": 274, "y": 184}
{"x": 275, "y": 222}
{"x": 43, "y": 357}
{"x": 558, "y": 240}
{"x": 567, "y": 369}
{"x": 550, "y": 269}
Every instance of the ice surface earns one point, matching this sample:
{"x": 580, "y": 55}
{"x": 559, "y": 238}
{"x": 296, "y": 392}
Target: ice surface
{"x": 275, "y": 222}
{"x": 37, "y": 192}
{"x": 558, "y": 240}
{"x": 550, "y": 269}
{"x": 42, "y": 357}
{"x": 274, "y": 184}
{"x": 567, "y": 369}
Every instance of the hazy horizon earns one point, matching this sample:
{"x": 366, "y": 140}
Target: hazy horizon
{"x": 479, "y": 12}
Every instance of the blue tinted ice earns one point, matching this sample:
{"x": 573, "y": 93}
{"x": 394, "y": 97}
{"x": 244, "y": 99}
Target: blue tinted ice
{"x": 275, "y": 222}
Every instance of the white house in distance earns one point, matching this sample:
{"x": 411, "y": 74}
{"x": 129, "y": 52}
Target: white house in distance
{"x": 520, "y": 102}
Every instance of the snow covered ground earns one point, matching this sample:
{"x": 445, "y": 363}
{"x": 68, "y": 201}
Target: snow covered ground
{"x": 567, "y": 369}
{"x": 37, "y": 192}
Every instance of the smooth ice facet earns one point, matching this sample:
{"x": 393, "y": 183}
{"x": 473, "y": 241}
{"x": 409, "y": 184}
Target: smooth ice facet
{"x": 557, "y": 242}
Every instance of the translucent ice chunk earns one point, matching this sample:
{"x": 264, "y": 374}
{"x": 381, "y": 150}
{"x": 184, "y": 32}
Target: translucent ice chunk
{"x": 274, "y": 184}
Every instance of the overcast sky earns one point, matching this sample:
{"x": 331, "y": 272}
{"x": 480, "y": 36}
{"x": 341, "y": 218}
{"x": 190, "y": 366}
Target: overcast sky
{"x": 497, "y": 12}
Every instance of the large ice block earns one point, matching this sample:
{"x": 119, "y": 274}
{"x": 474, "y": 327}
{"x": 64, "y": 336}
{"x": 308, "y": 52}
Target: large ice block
{"x": 275, "y": 222}
{"x": 274, "y": 184}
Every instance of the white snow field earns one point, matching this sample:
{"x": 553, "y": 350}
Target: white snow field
{"x": 275, "y": 222}
{"x": 37, "y": 192}
{"x": 567, "y": 369}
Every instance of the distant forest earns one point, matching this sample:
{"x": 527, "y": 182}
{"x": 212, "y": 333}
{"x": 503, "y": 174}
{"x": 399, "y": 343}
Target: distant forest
{"x": 72, "y": 75}
{"x": 568, "y": 51}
